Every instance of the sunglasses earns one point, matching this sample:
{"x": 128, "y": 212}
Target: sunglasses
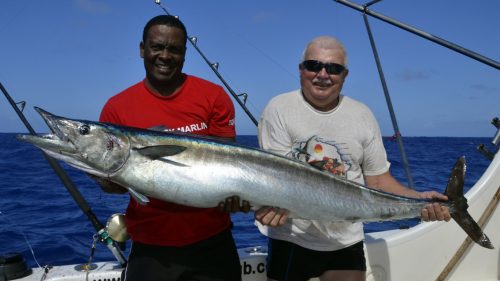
{"x": 317, "y": 66}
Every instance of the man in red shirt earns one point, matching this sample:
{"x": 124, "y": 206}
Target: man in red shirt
{"x": 170, "y": 241}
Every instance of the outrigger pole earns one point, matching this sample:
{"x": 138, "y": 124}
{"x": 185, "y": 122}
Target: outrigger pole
{"x": 366, "y": 12}
{"x": 214, "y": 67}
{"x": 364, "y": 9}
{"x": 66, "y": 180}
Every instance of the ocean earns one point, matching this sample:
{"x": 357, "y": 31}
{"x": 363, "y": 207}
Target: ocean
{"x": 37, "y": 212}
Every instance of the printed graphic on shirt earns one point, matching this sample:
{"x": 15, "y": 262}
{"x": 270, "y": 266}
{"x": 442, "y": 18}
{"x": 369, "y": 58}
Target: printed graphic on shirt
{"x": 189, "y": 128}
{"x": 326, "y": 155}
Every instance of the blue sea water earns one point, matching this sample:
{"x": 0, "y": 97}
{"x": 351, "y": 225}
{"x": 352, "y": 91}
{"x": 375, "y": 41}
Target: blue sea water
{"x": 37, "y": 210}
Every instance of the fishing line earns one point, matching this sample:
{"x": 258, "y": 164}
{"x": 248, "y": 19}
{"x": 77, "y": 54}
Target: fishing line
{"x": 283, "y": 68}
{"x": 214, "y": 67}
{"x": 265, "y": 55}
{"x": 12, "y": 225}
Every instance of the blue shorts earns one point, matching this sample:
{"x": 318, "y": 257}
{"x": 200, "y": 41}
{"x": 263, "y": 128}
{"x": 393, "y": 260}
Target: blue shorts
{"x": 291, "y": 262}
{"x": 213, "y": 259}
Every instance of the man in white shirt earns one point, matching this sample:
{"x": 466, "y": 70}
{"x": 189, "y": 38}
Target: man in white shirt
{"x": 338, "y": 134}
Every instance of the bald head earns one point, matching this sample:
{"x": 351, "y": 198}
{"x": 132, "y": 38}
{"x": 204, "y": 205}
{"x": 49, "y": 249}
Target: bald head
{"x": 325, "y": 43}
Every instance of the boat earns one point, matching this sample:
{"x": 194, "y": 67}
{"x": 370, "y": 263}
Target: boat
{"x": 392, "y": 255}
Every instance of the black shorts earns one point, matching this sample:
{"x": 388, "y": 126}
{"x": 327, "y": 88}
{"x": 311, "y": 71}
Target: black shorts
{"x": 213, "y": 259}
{"x": 291, "y": 262}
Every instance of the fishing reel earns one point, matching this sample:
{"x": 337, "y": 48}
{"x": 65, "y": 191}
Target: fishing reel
{"x": 117, "y": 229}
{"x": 114, "y": 236}
{"x": 115, "y": 232}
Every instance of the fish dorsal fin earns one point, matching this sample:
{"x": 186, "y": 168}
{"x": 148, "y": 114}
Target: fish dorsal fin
{"x": 159, "y": 151}
{"x": 141, "y": 199}
{"x": 159, "y": 128}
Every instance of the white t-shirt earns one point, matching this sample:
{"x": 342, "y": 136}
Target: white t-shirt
{"x": 347, "y": 139}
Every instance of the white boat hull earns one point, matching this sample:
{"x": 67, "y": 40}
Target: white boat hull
{"x": 423, "y": 252}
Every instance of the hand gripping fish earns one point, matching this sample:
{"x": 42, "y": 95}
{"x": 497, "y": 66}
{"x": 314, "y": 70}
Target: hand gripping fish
{"x": 201, "y": 172}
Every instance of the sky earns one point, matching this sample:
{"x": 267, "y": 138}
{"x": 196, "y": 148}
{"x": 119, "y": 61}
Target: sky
{"x": 69, "y": 56}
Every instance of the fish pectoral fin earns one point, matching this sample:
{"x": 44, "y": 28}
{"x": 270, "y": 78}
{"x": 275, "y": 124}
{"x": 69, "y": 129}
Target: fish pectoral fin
{"x": 172, "y": 162}
{"x": 159, "y": 151}
{"x": 141, "y": 199}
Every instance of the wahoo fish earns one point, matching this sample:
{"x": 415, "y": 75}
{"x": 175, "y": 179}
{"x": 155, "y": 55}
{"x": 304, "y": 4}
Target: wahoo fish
{"x": 201, "y": 172}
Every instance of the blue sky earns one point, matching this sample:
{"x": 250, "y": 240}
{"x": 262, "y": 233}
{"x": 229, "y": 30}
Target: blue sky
{"x": 70, "y": 56}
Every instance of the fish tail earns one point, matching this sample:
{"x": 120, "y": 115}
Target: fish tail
{"x": 455, "y": 193}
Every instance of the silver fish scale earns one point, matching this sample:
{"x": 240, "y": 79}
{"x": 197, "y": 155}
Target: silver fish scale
{"x": 206, "y": 173}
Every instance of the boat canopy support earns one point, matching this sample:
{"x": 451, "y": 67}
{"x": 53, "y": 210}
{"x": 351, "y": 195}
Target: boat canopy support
{"x": 366, "y": 12}
{"x": 397, "y": 133}
{"x": 364, "y": 9}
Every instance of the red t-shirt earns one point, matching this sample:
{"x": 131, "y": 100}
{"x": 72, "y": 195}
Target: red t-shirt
{"x": 199, "y": 107}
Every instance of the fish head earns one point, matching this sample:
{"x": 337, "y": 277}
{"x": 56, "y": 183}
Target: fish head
{"x": 93, "y": 147}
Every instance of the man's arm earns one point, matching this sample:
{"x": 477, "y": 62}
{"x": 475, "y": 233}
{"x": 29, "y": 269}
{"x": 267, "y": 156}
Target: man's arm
{"x": 387, "y": 183}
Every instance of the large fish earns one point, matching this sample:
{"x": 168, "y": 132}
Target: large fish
{"x": 201, "y": 172}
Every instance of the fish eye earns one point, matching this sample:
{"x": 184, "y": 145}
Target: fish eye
{"x": 84, "y": 129}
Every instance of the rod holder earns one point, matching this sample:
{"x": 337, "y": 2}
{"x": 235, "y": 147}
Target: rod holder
{"x": 484, "y": 151}
{"x": 496, "y": 138}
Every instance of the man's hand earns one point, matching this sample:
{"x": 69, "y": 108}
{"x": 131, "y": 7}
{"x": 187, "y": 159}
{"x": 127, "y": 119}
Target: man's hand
{"x": 108, "y": 186}
{"x": 434, "y": 211}
{"x": 232, "y": 205}
{"x": 271, "y": 216}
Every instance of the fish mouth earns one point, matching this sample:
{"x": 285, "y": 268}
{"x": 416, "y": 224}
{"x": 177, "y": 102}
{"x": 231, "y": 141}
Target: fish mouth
{"x": 57, "y": 141}
{"x": 53, "y": 122}
{"x": 71, "y": 141}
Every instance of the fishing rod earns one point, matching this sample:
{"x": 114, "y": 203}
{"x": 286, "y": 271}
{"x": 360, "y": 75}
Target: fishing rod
{"x": 214, "y": 67}
{"x": 66, "y": 180}
{"x": 364, "y": 9}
